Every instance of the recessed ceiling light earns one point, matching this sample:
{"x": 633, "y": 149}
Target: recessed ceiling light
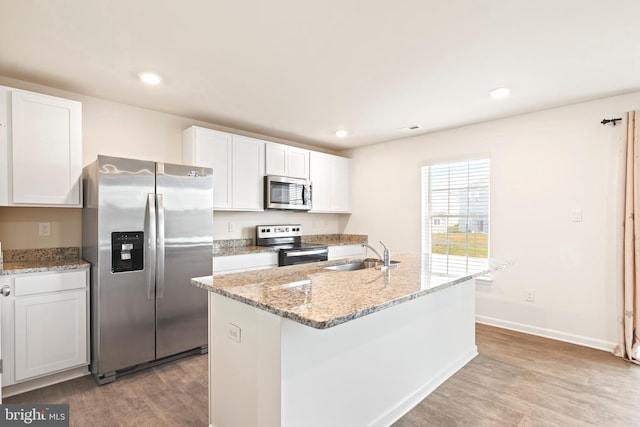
{"x": 342, "y": 133}
{"x": 500, "y": 92}
{"x": 150, "y": 78}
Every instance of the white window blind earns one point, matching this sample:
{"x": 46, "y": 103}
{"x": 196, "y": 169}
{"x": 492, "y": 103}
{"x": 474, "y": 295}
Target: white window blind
{"x": 455, "y": 218}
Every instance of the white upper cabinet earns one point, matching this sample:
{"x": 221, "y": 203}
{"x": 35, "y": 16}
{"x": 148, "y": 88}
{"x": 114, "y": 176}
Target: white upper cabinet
{"x": 237, "y": 163}
{"x": 248, "y": 174}
{"x": 331, "y": 183}
{"x": 211, "y": 149}
{"x": 285, "y": 160}
{"x": 40, "y": 150}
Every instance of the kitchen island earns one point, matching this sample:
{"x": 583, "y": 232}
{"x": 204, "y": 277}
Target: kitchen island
{"x": 305, "y": 345}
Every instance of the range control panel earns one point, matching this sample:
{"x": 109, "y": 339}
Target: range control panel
{"x": 274, "y": 231}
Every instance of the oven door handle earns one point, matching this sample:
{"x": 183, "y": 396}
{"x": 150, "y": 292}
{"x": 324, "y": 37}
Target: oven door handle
{"x": 303, "y": 253}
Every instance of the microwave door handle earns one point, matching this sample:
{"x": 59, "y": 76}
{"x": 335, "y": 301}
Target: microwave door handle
{"x": 306, "y": 193}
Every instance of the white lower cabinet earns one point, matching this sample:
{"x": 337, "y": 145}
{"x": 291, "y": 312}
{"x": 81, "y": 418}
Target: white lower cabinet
{"x": 50, "y": 333}
{"x": 44, "y": 324}
{"x": 244, "y": 262}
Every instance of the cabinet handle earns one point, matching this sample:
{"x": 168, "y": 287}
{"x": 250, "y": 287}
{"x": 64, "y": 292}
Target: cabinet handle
{"x": 6, "y": 290}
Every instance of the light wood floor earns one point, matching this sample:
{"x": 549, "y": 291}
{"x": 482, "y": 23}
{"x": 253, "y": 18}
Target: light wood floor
{"x": 523, "y": 380}
{"x": 517, "y": 380}
{"x": 174, "y": 394}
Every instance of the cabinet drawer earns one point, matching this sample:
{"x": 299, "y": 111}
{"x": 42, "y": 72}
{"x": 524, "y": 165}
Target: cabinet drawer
{"x": 38, "y": 284}
{"x": 346, "y": 251}
{"x": 245, "y": 262}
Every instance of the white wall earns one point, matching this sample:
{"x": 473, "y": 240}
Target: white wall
{"x": 122, "y": 130}
{"x": 543, "y": 165}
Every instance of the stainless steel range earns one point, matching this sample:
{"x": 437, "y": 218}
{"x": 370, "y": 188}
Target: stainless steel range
{"x": 288, "y": 239}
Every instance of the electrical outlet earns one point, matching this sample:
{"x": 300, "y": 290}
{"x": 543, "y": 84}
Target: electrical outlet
{"x": 234, "y": 332}
{"x": 44, "y": 229}
{"x": 232, "y": 227}
{"x": 576, "y": 215}
{"x": 530, "y": 295}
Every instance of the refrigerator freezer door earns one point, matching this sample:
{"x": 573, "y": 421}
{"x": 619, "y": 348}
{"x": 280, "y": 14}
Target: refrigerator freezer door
{"x": 185, "y": 217}
{"x": 123, "y": 305}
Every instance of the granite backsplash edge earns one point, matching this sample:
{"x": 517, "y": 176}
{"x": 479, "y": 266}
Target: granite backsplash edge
{"x": 310, "y": 238}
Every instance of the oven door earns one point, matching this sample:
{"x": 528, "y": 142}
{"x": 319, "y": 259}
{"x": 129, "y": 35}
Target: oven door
{"x": 302, "y": 256}
{"x": 282, "y": 192}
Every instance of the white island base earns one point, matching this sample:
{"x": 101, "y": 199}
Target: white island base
{"x": 265, "y": 370}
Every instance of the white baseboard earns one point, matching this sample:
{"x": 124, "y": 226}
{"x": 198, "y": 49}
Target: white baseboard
{"x": 48, "y": 380}
{"x": 547, "y": 333}
{"x": 412, "y": 400}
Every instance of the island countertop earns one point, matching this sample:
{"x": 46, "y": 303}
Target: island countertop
{"x": 314, "y": 296}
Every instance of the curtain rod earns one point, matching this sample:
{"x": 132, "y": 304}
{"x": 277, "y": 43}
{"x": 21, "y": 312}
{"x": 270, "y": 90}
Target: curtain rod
{"x": 605, "y": 121}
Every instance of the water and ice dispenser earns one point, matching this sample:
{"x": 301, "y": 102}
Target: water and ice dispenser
{"x": 127, "y": 251}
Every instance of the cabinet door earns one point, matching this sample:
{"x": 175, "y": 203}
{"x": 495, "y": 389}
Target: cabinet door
{"x": 248, "y": 174}
{"x": 50, "y": 333}
{"x": 298, "y": 162}
{"x": 340, "y": 184}
{"x": 211, "y": 149}
{"x": 276, "y": 156}
{"x": 2, "y": 322}
{"x": 320, "y": 172}
{"x": 285, "y": 160}
{"x": 6, "y": 330}
{"x": 46, "y": 147}
{"x": 5, "y": 105}
{"x": 331, "y": 180}
{"x": 214, "y": 150}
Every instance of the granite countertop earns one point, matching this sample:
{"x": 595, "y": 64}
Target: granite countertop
{"x": 314, "y": 296}
{"x": 20, "y": 261}
{"x": 21, "y": 267}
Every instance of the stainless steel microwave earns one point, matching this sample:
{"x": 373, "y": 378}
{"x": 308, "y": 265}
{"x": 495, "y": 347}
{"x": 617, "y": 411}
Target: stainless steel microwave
{"x": 283, "y": 192}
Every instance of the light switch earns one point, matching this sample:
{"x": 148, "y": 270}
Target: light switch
{"x": 576, "y": 215}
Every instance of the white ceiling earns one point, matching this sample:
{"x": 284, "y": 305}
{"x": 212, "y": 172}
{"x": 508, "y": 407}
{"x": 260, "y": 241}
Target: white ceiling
{"x": 300, "y": 70}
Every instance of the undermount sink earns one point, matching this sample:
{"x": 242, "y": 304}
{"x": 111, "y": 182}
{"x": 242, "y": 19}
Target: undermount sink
{"x": 359, "y": 265}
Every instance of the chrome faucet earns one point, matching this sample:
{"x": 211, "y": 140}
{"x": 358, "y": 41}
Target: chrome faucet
{"x": 386, "y": 258}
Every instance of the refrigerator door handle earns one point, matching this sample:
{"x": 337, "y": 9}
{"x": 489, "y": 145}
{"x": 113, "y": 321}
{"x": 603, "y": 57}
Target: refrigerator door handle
{"x": 151, "y": 245}
{"x": 161, "y": 251}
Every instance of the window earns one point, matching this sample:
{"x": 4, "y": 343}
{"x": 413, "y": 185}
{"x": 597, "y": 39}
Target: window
{"x": 455, "y": 211}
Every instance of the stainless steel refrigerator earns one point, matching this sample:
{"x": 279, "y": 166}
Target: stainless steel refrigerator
{"x": 147, "y": 229}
